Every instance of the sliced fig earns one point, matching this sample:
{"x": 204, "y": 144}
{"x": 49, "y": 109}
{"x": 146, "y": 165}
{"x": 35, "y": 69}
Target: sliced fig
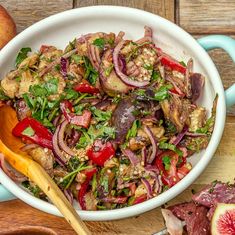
{"x": 223, "y": 221}
{"x": 109, "y": 80}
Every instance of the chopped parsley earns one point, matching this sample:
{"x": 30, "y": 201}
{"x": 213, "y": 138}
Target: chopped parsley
{"x": 99, "y": 42}
{"x": 167, "y": 162}
{"x": 23, "y": 53}
{"x": 169, "y": 146}
{"x": 162, "y": 93}
{"x": 90, "y": 74}
{"x": 133, "y": 131}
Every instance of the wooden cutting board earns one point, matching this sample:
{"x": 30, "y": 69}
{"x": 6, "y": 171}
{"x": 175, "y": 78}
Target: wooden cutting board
{"x": 217, "y": 16}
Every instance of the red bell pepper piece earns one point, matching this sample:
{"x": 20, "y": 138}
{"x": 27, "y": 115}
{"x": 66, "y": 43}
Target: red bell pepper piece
{"x": 41, "y": 135}
{"x": 83, "y": 190}
{"x": 169, "y": 177}
{"x": 172, "y": 64}
{"x": 86, "y": 88}
{"x": 79, "y": 120}
{"x": 100, "y": 152}
{"x": 173, "y": 90}
{"x": 140, "y": 199}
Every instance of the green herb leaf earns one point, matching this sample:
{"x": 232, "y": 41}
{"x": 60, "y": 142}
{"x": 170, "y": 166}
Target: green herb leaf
{"x": 28, "y": 132}
{"x": 37, "y": 90}
{"x": 100, "y": 115}
{"x": 68, "y": 179}
{"x": 90, "y": 74}
{"x": 52, "y": 86}
{"x": 167, "y": 162}
{"x": 22, "y": 55}
{"x": 183, "y": 63}
{"x": 108, "y": 70}
{"x": 148, "y": 66}
{"x": 155, "y": 76}
{"x": 162, "y": 93}
{"x": 134, "y": 129}
{"x": 99, "y": 42}
{"x": 71, "y": 94}
{"x": 2, "y": 95}
{"x": 77, "y": 59}
{"x": 172, "y": 147}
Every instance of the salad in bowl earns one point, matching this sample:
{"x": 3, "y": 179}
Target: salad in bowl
{"x": 113, "y": 121}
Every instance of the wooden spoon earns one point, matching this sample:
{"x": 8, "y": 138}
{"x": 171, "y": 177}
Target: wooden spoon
{"x": 10, "y": 147}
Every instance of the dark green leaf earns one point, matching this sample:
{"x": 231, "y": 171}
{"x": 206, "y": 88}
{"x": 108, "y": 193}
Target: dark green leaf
{"x": 3, "y": 96}
{"x": 100, "y": 115}
{"x": 133, "y": 131}
{"x": 155, "y": 76}
{"x": 52, "y": 86}
{"x": 172, "y": 147}
{"x": 38, "y": 90}
{"x": 183, "y": 63}
{"x": 108, "y": 70}
{"x": 99, "y": 42}
{"x": 71, "y": 94}
{"x": 162, "y": 93}
{"x": 167, "y": 162}
{"x": 77, "y": 59}
{"x": 22, "y": 55}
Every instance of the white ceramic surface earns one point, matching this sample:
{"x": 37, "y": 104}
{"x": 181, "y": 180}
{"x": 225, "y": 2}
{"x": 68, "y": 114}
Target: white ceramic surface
{"x": 59, "y": 29}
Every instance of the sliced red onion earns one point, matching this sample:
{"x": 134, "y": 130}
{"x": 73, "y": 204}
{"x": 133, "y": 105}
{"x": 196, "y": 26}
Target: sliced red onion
{"x": 156, "y": 186}
{"x": 178, "y": 90}
{"x": 133, "y": 158}
{"x": 57, "y": 152}
{"x": 56, "y": 121}
{"x": 148, "y": 187}
{"x": 152, "y": 168}
{"x": 28, "y": 147}
{"x": 64, "y": 66}
{"x": 189, "y": 70}
{"x": 160, "y": 184}
{"x": 122, "y": 64}
{"x": 123, "y": 76}
{"x": 61, "y": 141}
{"x": 191, "y": 134}
{"x": 57, "y": 61}
{"x": 184, "y": 150}
{"x": 118, "y": 199}
{"x": 119, "y": 37}
{"x": 147, "y": 36}
{"x": 10, "y": 171}
{"x": 94, "y": 56}
{"x": 69, "y": 195}
{"x": 83, "y": 38}
{"x": 180, "y": 136}
{"x": 143, "y": 155}
{"x": 153, "y": 142}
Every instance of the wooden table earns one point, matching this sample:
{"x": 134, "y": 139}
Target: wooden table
{"x": 198, "y": 18}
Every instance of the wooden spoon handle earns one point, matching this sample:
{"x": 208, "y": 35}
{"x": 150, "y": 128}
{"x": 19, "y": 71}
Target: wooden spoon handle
{"x": 38, "y": 175}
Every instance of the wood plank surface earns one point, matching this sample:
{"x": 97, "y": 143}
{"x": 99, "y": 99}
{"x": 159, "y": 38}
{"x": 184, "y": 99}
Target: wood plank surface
{"x": 207, "y": 16}
{"x": 163, "y": 8}
{"x": 27, "y": 12}
{"x": 198, "y": 17}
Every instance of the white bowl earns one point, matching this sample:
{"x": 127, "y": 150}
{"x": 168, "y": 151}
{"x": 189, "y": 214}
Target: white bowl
{"x": 61, "y": 28}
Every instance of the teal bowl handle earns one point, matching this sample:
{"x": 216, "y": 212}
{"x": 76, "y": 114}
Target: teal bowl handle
{"x": 228, "y": 44}
{"x": 5, "y": 195}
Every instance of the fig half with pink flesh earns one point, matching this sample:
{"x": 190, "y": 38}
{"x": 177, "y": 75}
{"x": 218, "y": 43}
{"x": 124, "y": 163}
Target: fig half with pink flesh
{"x": 223, "y": 221}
